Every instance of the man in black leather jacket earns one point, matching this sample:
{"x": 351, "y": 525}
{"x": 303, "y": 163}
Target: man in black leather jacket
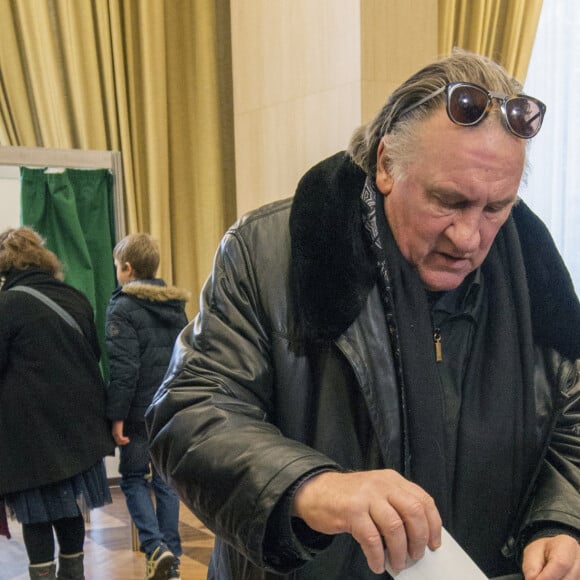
{"x": 392, "y": 350}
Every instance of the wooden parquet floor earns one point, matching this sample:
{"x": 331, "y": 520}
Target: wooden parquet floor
{"x": 109, "y": 553}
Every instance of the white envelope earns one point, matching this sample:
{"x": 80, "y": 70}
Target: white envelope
{"x": 449, "y": 562}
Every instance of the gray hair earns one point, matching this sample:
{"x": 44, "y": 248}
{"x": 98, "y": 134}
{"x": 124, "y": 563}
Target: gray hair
{"x": 459, "y": 66}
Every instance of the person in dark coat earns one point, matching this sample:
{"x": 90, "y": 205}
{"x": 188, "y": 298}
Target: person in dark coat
{"x": 144, "y": 317}
{"x": 387, "y": 355}
{"x": 54, "y": 432}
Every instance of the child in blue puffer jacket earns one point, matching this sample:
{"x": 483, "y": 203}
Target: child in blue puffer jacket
{"x": 144, "y": 317}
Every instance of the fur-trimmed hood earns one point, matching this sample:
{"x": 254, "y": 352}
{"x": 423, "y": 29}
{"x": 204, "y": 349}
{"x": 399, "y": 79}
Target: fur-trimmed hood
{"x": 155, "y": 291}
{"x": 150, "y": 299}
{"x": 332, "y": 269}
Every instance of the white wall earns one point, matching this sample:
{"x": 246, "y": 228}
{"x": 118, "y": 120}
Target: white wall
{"x": 296, "y": 81}
{"x": 9, "y": 197}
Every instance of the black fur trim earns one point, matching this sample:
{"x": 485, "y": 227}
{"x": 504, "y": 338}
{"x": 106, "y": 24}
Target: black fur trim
{"x": 553, "y": 300}
{"x": 331, "y": 271}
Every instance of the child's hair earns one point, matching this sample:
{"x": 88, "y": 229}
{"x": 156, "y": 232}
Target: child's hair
{"x": 141, "y": 251}
{"x": 22, "y": 247}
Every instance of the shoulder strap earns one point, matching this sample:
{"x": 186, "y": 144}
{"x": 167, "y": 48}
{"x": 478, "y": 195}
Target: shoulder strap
{"x": 50, "y": 303}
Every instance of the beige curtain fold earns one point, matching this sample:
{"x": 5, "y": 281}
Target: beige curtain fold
{"x": 151, "y": 79}
{"x": 501, "y": 29}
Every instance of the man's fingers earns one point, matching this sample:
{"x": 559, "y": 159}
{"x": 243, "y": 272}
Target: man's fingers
{"x": 533, "y": 561}
{"x": 434, "y": 520}
{"x": 421, "y": 520}
{"x": 397, "y": 542}
{"x": 408, "y": 523}
{"x": 552, "y": 558}
{"x": 366, "y": 533}
{"x": 381, "y": 509}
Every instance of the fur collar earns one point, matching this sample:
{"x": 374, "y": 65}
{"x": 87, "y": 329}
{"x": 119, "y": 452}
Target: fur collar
{"x": 332, "y": 270}
{"x": 553, "y": 299}
{"x": 154, "y": 291}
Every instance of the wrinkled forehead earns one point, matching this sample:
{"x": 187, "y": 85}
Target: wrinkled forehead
{"x": 485, "y": 145}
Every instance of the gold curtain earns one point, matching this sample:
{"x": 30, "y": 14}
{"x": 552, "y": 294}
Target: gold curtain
{"x": 501, "y": 29}
{"x": 151, "y": 79}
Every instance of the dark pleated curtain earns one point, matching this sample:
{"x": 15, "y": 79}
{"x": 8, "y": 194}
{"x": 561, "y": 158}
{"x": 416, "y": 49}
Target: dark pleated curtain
{"x": 73, "y": 211}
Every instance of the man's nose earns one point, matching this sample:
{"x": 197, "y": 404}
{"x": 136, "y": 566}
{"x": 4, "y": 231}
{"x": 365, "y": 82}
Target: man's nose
{"x": 464, "y": 232}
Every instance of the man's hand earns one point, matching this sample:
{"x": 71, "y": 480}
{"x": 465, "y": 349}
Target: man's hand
{"x": 556, "y": 558}
{"x": 117, "y": 431}
{"x": 377, "y": 508}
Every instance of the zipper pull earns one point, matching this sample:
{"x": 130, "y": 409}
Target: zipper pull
{"x": 437, "y": 341}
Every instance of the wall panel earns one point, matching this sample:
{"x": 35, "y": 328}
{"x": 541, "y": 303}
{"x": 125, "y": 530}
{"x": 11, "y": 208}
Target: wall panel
{"x": 307, "y": 73}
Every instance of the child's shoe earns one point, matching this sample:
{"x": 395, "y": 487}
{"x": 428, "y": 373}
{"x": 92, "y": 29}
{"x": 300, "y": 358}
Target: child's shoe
{"x": 175, "y": 572}
{"x": 159, "y": 563}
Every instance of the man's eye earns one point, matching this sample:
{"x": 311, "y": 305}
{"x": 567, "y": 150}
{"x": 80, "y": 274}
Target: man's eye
{"x": 455, "y": 205}
{"x": 494, "y": 208}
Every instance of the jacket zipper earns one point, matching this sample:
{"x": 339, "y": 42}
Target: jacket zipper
{"x": 437, "y": 341}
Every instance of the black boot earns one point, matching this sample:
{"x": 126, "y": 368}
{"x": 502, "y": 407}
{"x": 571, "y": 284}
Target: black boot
{"x": 71, "y": 567}
{"x": 46, "y": 571}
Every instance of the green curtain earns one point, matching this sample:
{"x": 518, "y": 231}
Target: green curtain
{"x": 73, "y": 211}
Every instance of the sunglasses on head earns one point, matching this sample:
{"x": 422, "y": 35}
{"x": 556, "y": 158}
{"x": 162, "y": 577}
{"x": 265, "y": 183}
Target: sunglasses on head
{"x": 468, "y": 104}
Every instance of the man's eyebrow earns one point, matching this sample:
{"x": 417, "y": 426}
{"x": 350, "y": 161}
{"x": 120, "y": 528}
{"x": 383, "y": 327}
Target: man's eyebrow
{"x": 453, "y": 195}
{"x": 504, "y": 202}
{"x": 448, "y": 194}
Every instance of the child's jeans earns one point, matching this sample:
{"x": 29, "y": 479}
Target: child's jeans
{"x": 157, "y": 522}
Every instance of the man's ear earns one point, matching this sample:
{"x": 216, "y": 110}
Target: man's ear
{"x": 383, "y": 180}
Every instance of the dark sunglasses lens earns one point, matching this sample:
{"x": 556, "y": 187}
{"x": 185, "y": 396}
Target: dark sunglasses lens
{"x": 524, "y": 116}
{"x": 467, "y": 105}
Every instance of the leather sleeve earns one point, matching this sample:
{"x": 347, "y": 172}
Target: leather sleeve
{"x": 555, "y": 501}
{"x": 210, "y": 424}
